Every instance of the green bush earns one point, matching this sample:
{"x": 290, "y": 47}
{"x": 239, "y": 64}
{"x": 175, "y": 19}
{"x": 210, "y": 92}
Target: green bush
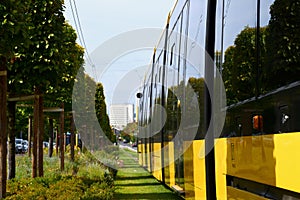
{"x": 91, "y": 181}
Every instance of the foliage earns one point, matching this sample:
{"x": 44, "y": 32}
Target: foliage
{"x": 279, "y": 54}
{"x": 128, "y": 132}
{"x": 61, "y": 187}
{"x": 13, "y": 26}
{"x": 45, "y": 26}
{"x": 283, "y": 44}
{"x": 52, "y": 59}
{"x": 107, "y": 158}
{"x": 240, "y": 66}
{"x": 44, "y": 51}
{"x": 101, "y": 113}
{"x": 91, "y": 182}
{"x": 197, "y": 87}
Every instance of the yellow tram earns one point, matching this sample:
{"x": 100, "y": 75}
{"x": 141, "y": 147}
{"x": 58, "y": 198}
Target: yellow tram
{"x": 256, "y": 132}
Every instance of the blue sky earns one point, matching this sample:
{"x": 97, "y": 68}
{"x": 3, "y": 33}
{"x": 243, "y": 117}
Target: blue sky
{"x": 101, "y": 20}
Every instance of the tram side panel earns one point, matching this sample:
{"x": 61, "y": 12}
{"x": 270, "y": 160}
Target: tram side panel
{"x": 259, "y": 160}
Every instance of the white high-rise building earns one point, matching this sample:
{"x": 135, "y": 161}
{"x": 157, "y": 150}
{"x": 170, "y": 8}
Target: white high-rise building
{"x": 120, "y": 115}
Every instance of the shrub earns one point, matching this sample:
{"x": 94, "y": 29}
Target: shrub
{"x": 92, "y": 181}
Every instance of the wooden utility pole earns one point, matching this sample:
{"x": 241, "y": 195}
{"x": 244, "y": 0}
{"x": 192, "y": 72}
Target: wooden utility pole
{"x": 61, "y": 139}
{"x": 40, "y": 137}
{"x": 3, "y": 126}
{"x": 50, "y": 150}
{"x": 11, "y": 140}
{"x": 72, "y": 138}
{"x": 29, "y": 135}
{"x": 35, "y": 133}
{"x": 56, "y": 140}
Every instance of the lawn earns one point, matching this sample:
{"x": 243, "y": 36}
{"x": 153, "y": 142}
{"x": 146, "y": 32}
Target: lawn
{"x": 134, "y": 182}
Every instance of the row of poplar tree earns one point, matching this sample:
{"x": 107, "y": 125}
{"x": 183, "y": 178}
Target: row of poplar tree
{"x": 39, "y": 61}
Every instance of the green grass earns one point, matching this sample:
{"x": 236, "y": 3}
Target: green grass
{"x": 134, "y": 182}
{"x": 92, "y": 180}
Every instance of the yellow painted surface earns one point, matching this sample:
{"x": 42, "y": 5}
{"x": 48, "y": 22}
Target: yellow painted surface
{"x": 189, "y": 185}
{"x": 156, "y": 158}
{"x": 236, "y": 194}
{"x": 172, "y": 164}
{"x": 267, "y": 159}
{"x": 199, "y": 170}
{"x": 148, "y": 157}
{"x": 220, "y": 164}
{"x": 140, "y": 152}
{"x": 287, "y": 169}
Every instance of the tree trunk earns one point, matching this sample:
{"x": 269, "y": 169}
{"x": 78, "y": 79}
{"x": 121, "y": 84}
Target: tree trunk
{"x": 40, "y": 137}
{"x": 35, "y": 133}
{"x": 3, "y": 126}
{"x": 50, "y": 150}
{"x": 57, "y": 140}
{"x": 61, "y": 139}
{"x": 11, "y": 140}
{"x": 29, "y": 135}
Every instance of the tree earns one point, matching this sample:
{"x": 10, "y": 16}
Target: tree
{"x": 130, "y": 130}
{"x": 283, "y": 44}
{"x": 50, "y": 63}
{"x": 101, "y": 113}
{"x": 240, "y": 66}
{"x": 227, "y": 71}
{"x": 12, "y": 32}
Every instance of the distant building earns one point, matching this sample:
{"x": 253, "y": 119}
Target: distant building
{"x": 120, "y": 115}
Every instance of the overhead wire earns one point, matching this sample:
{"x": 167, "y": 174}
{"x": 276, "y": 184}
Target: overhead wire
{"x": 80, "y": 35}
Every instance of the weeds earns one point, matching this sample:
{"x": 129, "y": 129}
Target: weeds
{"x": 82, "y": 179}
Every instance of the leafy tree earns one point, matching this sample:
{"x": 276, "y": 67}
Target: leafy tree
{"x": 130, "y": 129}
{"x": 51, "y": 61}
{"x": 12, "y": 32}
{"x": 227, "y": 71}
{"x": 41, "y": 63}
{"x": 283, "y": 44}
{"x": 240, "y": 66}
{"x": 198, "y": 87}
{"x": 101, "y": 113}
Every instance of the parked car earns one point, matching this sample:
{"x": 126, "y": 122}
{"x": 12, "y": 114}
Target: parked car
{"x": 19, "y": 145}
{"x": 25, "y": 145}
{"x": 45, "y": 144}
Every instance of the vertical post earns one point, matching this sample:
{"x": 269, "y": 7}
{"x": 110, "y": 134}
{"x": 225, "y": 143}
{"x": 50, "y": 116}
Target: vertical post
{"x": 209, "y": 101}
{"x": 11, "y": 140}
{"x": 50, "y": 150}
{"x": 57, "y": 140}
{"x": 40, "y": 137}
{"x": 163, "y": 99}
{"x": 65, "y": 142}
{"x": 35, "y": 133}
{"x": 72, "y": 135}
{"x": 61, "y": 139}
{"x": 3, "y": 126}
{"x": 29, "y": 134}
